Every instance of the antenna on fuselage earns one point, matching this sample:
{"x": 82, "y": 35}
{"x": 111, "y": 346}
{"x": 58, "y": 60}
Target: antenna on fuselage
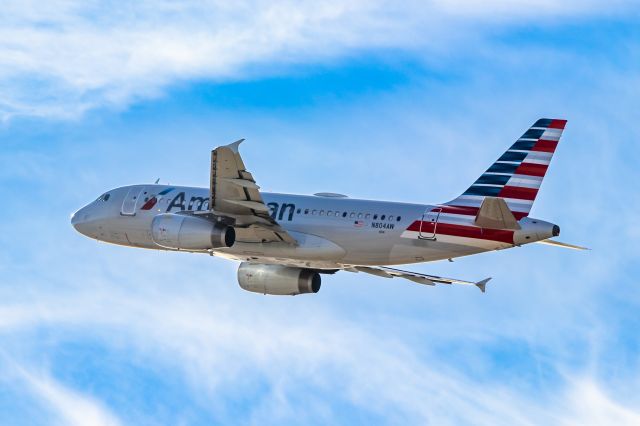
{"x": 156, "y": 182}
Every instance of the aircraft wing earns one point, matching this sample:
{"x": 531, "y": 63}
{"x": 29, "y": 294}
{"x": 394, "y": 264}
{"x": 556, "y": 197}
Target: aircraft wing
{"x": 414, "y": 276}
{"x": 234, "y": 194}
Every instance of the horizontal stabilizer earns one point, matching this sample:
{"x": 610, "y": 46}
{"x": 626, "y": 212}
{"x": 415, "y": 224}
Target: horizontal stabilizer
{"x": 561, "y": 244}
{"x": 495, "y": 214}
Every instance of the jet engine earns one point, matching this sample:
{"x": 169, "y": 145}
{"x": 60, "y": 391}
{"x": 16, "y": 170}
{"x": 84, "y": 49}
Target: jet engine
{"x": 277, "y": 279}
{"x": 183, "y": 232}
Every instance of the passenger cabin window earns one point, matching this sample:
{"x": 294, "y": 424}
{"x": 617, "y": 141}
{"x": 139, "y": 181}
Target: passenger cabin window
{"x": 398, "y": 218}
{"x": 306, "y": 211}
{"x": 359, "y": 215}
{"x": 382, "y": 217}
{"x": 352, "y": 215}
{"x": 375, "y": 217}
{"x": 390, "y": 218}
{"x": 321, "y": 212}
{"x": 313, "y": 212}
{"x": 367, "y": 216}
{"x": 344, "y": 214}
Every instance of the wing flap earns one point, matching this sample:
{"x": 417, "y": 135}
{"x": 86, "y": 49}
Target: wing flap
{"x": 244, "y": 183}
{"x": 252, "y": 205}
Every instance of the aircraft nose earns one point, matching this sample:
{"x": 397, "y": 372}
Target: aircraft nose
{"x": 78, "y": 220}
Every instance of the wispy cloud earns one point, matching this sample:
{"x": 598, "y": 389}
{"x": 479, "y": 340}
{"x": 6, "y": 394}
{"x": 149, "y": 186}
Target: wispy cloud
{"x": 416, "y": 355}
{"x": 72, "y": 407}
{"x": 61, "y": 58}
{"x": 63, "y": 405}
{"x": 554, "y": 340}
{"x": 321, "y": 360}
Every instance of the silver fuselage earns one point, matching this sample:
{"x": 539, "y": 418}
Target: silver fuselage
{"x": 331, "y": 231}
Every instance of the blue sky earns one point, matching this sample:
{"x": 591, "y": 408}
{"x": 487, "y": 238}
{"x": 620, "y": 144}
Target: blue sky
{"x": 370, "y": 99}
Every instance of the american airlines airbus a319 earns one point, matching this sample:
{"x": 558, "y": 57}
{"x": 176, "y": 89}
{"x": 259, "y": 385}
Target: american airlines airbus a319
{"x": 285, "y": 242}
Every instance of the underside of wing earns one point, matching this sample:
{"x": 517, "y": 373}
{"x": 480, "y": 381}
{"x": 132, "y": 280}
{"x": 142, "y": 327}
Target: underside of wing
{"x": 415, "y": 276}
{"x": 234, "y": 194}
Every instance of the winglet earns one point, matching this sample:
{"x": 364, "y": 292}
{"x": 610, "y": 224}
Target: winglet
{"x": 234, "y": 146}
{"x": 482, "y": 284}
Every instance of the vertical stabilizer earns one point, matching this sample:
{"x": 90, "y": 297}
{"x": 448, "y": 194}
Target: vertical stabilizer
{"x": 517, "y": 175}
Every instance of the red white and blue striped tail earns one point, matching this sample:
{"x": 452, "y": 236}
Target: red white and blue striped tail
{"x": 516, "y": 176}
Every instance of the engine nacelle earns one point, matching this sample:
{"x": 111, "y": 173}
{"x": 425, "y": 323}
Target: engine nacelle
{"x": 277, "y": 279}
{"x": 183, "y": 232}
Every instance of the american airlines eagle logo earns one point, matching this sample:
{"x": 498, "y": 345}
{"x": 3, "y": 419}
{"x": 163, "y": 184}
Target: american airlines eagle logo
{"x": 154, "y": 199}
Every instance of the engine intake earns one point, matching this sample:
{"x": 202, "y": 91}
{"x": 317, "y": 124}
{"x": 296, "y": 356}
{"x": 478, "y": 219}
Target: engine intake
{"x": 277, "y": 279}
{"x": 182, "y": 232}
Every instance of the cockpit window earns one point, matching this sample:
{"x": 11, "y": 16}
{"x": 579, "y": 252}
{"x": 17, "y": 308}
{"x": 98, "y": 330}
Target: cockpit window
{"x": 104, "y": 197}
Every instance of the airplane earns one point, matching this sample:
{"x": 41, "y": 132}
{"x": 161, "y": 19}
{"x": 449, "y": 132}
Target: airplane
{"x": 284, "y": 242}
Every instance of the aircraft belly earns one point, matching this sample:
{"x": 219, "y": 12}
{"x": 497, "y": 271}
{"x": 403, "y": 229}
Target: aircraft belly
{"x": 310, "y": 247}
{"x": 416, "y": 253}
{"x": 443, "y": 247}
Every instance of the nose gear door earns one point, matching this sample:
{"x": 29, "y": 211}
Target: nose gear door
{"x": 130, "y": 202}
{"x": 429, "y": 224}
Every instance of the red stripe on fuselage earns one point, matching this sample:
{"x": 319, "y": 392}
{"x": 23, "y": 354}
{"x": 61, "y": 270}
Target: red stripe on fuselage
{"x": 518, "y": 192}
{"x": 531, "y": 169}
{"x": 472, "y": 211}
{"x": 505, "y": 236}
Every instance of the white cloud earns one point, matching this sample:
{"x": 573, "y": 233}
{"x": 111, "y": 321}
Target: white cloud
{"x": 70, "y": 408}
{"x": 415, "y": 355}
{"x": 63, "y": 57}
{"x": 587, "y": 404}
{"x": 222, "y": 344}
{"x": 73, "y": 408}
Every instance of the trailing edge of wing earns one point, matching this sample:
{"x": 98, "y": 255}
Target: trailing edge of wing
{"x": 561, "y": 244}
{"x": 416, "y": 277}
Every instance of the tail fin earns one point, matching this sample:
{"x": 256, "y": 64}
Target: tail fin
{"x": 516, "y": 176}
